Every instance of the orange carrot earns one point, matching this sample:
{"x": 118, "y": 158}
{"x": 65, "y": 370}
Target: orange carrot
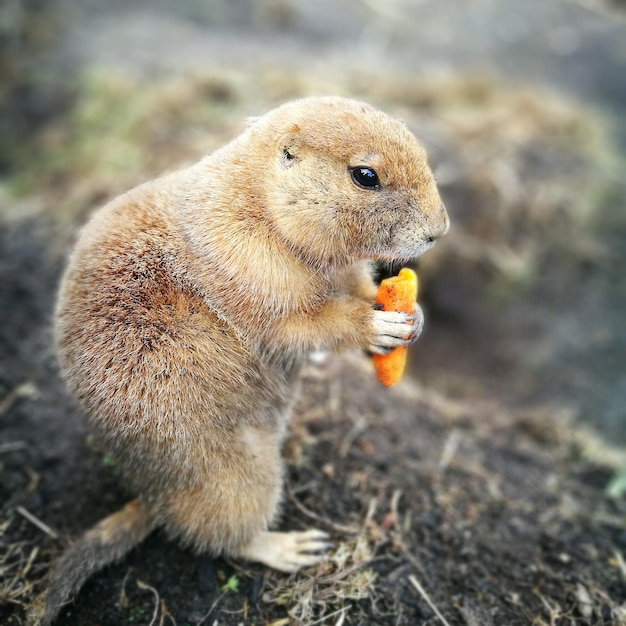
{"x": 395, "y": 294}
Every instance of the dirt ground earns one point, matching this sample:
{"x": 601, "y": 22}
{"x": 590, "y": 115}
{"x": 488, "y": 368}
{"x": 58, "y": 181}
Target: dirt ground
{"x": 488, "y": 488}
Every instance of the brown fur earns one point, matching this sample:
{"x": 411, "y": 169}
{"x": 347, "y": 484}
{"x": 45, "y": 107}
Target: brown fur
{"x": 190, "y": 302}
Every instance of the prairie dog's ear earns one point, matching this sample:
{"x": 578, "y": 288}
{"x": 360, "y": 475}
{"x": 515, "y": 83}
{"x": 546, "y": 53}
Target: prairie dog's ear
{"x": 289, "y": 147}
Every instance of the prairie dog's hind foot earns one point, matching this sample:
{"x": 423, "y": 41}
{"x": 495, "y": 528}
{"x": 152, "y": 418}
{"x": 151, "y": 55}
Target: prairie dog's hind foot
{"x": 287, "y": 552}
{"x": 393, "y": 329}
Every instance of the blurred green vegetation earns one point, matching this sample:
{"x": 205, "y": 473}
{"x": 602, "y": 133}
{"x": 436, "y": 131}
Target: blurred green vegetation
{"x": 33, "y": 89}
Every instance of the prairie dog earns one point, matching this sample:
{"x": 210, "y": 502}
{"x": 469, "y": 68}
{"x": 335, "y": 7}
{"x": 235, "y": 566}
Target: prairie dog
{"x": 190, "y": 302}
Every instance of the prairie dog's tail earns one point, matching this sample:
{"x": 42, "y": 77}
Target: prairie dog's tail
{"x": 106, "y": 542}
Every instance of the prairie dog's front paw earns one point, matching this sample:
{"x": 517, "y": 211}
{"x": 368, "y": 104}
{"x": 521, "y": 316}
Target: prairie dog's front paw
{"x": 393, "y": 329}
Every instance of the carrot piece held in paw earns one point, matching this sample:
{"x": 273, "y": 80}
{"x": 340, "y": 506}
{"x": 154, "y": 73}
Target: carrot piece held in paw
{"x": 397, "y": 293}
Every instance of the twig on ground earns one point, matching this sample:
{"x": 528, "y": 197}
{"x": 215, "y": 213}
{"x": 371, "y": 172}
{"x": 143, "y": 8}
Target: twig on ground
{"x": 426, "y": 597}
{"x": 157, "y": 600}
{"x": 31, "y": 558}
{"x": 342, "y": 610}
{"x": 123, "y": 598}
{"x": 37, "y": 522}
{"x": 371, "y": 511}
{"x": 621, "y": 563}
{"x": 319, "y": 518}
{"x": 449, "y": 449}
{"x": 165, "y": 613}
{"x": 393, "y": 506}
{"x": 25, "y": 390}
{"x": 33, "y": 481}
{"x": 360, "y": 426}
{"x": 342, "y": 618}
{"x": 217, "y": 601}
{"x": 12, "y": 446}
{"x": 312, "y": 484}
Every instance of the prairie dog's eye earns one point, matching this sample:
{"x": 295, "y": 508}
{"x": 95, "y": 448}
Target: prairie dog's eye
{"x": 365, "y": 177}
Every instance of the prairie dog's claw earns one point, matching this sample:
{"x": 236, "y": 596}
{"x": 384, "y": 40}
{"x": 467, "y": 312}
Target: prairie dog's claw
{"x": 393, "y": 329}
{"x": 288, "y": 552}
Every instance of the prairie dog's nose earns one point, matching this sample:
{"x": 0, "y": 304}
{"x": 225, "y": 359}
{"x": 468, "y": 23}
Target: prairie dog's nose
{"x": 440, "y": 225}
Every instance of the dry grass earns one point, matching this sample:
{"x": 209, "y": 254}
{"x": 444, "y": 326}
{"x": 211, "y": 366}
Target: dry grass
{"x": 329, "y": 589}
{"x": 17, "y": 580}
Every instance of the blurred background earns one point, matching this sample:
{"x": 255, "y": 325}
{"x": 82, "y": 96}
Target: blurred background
{"x": 521, "y": 105}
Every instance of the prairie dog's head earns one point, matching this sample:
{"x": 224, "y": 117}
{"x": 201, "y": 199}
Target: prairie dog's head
{"x": 348, "y": 182}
